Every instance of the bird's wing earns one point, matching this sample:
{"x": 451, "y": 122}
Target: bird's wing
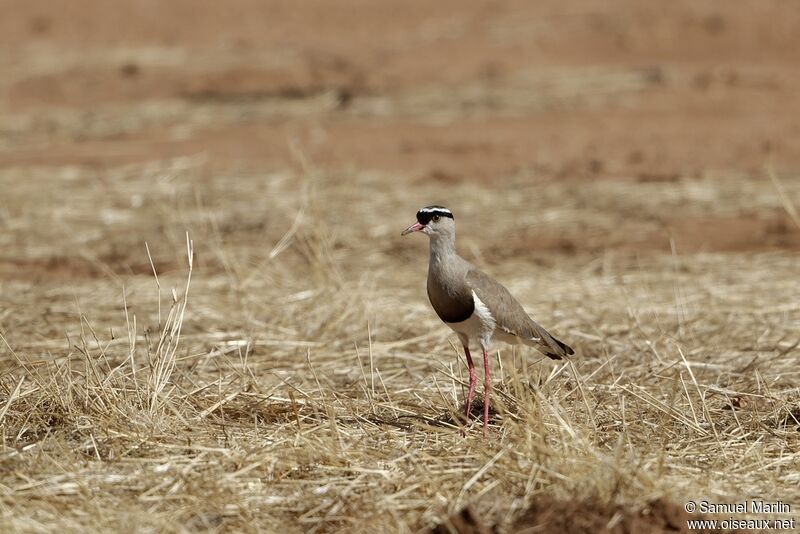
{"x": 511, "y": 317}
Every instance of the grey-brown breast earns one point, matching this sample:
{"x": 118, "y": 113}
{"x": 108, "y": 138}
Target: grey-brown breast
{"x": 450, "y": 296}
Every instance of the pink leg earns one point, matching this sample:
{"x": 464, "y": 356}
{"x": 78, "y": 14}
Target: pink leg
{"x": 473, "y": 381}
{"x": 487, "y": 390}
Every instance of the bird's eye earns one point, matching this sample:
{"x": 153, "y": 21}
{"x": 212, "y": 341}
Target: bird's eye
{"x": 435, "y": 218}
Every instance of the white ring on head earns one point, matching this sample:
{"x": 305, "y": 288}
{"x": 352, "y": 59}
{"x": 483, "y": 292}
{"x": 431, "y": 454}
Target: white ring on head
{"x": 433, "y": 210}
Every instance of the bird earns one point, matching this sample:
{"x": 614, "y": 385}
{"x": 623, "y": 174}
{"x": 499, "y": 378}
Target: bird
{"x": 474, "y": 305}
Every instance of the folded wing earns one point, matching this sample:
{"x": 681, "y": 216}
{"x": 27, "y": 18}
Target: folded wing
{"x": 512, "y": 318}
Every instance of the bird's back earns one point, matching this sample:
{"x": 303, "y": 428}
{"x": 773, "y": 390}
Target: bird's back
{"x": 511, "y": 318}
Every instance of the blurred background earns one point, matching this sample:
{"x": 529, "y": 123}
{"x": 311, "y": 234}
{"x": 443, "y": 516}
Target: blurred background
{"x": 620, "y": 125}
{"x": 559, "y": 134}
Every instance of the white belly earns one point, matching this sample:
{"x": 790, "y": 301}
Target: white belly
{"x": 480, "y": 326}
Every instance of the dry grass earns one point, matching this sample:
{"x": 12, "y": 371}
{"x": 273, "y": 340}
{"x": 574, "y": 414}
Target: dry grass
{"x": 304, "y": 385}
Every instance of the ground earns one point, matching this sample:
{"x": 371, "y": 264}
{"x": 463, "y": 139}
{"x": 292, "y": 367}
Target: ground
{"x": 629, "y": 170}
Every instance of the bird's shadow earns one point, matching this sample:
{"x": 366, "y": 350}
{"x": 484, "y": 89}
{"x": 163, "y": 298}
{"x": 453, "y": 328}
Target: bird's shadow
{"x": 449, "y": 419}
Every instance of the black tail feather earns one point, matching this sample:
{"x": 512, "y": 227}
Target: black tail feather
{"x": 563, "y": 346}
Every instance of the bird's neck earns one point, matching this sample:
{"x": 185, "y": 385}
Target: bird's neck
{"x": 442, "y": 249}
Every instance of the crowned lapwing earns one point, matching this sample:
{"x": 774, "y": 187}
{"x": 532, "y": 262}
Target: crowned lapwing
{"x": 475, "y": 305}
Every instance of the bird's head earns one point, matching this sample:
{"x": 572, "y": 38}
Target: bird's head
{"x": 435, "y": 221}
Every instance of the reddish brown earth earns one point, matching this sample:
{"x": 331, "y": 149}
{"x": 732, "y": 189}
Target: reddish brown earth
{"x": 431, "y": 92}
{"x": 499, "y": 94}
{"x": 618, "y": 89}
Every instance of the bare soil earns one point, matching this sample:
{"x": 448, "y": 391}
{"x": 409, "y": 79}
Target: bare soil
{"x": 551, "y": 516}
